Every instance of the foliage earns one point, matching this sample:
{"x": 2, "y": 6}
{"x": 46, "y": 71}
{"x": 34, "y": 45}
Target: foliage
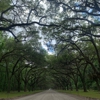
{"x": 73, "y": 25}
{"x": 4, "y": 4}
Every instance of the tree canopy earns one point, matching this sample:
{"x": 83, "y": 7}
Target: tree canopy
{"x": 70, "y": 27}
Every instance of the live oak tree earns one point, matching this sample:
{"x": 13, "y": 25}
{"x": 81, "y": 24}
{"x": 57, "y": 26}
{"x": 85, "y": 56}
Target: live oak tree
{"x": 72, "y": 24}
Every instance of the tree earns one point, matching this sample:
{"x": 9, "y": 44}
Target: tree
{"x": 73, "y": 25}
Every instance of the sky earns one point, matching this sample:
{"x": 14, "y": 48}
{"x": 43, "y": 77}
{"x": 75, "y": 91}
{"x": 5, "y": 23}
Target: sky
{"x": 47, "y": 45}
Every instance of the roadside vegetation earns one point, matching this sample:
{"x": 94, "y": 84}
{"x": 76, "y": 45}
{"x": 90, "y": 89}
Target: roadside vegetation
{"x": 5, "y": 95}
{"x": 90, "y": 94}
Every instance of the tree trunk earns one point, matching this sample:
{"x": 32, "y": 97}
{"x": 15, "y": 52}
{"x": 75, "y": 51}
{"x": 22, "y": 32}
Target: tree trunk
{"x": 8, "y": 80}
{"x": 19, "y": 82}
{"x": 98, "y": 85}
{"x": 76, "y": 86}
{"x": 71, "y": 88}
{"x": 67, "y": 87}
{"x": 25, "y": 86}
{"x": 84, "y": 86}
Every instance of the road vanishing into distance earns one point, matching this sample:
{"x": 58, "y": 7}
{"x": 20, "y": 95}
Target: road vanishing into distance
{"x": 49, "y": 95}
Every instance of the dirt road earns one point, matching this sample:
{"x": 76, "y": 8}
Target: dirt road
{"x": 48, "y": 95}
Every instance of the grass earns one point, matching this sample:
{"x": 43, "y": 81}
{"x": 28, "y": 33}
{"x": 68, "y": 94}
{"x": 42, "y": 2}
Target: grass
{"x": 5, "y": 95}
{"x": 91, "y": 94}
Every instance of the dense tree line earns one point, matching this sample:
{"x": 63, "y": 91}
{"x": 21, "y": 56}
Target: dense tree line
{"x": 73, "y": 25}
{"x": 21, "y": 65}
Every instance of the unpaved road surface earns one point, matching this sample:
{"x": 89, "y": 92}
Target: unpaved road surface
{"x": 49, "y": 95}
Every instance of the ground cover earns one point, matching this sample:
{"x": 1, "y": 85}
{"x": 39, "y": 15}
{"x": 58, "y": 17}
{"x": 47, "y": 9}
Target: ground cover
{"x": 15, "y": 94}
{"x": 91, "y": 93}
